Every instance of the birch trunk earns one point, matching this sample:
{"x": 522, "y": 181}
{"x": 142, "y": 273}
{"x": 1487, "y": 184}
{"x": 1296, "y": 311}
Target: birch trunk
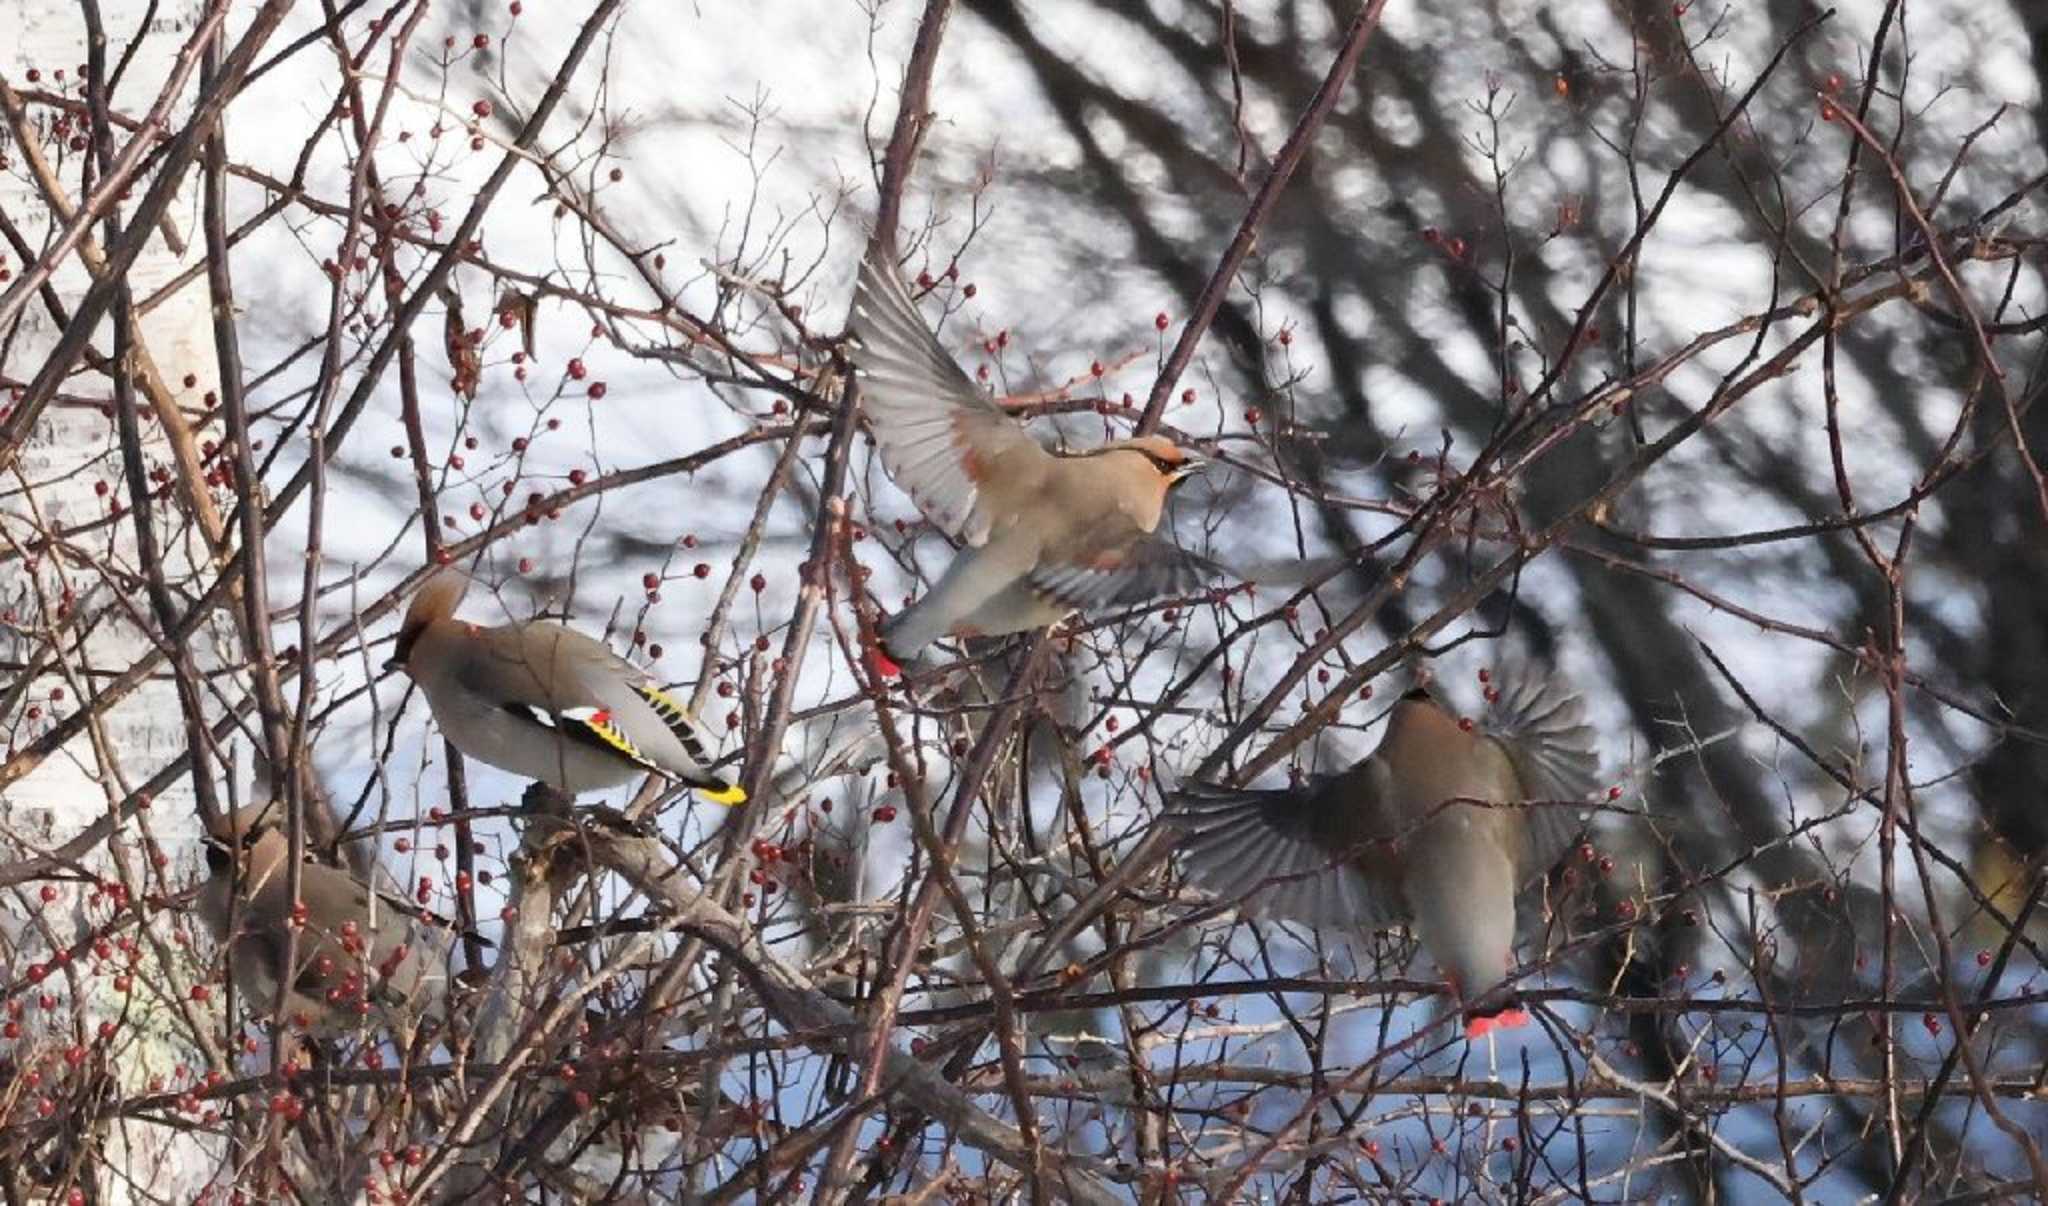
{"x": 73, "y": 615}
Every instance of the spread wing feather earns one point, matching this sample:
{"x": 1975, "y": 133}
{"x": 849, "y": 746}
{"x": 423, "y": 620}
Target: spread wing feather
{"x": 1136, "y": 573}
{"x": 1543, "y": 730}
{"x": 1277, "y": 853}
{"x": 938, "y": 434}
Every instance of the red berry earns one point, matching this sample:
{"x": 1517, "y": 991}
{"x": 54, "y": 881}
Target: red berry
{"x": 597, "y": 391}
{"x": 885, "y": 814}
{"x": 1160, "y": 321}
{"x": 482, "y": 108}
{"x": 576, "y": 369}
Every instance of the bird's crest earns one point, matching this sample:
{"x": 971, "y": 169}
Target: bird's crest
{"x": 246, "y": 824}
{"x": 436, "y": 600}
{"x": 1171, "y": 460}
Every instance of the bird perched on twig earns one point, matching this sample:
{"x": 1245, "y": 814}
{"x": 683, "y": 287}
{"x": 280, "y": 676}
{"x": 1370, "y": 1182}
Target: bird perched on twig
{"x": 1440, "y": 828}
{"x": 1043, "y": 535}
{"x": 465, "y": 361}
{"x": 547, "y": 702}
{"x": 360, "y": 953}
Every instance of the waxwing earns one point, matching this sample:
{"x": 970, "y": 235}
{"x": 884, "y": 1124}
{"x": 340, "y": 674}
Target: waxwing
{"x": 1441, "y": 828}
{"x": 360, "y": 953}
{"x": 1042, "y": 535}
{"x": 549, "y": 703}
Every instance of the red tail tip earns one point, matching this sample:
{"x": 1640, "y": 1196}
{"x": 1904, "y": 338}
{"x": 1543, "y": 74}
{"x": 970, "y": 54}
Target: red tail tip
{"x": 882, "y": 664}
{"x": 1513, "y": 1018}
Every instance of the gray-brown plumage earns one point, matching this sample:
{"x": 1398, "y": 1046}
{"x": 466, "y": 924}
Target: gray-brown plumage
{"x": 1415, "y": 834}
{"x": 360, "y": 955}
{"x": 547, "y": 702}
{"x": 1041, "y": 535}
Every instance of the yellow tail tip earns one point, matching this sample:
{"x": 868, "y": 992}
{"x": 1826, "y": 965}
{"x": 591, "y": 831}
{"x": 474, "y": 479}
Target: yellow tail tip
{"x": 728, "y": 796}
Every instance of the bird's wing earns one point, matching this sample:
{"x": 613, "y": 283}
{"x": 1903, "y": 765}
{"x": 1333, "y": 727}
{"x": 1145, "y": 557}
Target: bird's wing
{"x": 322, "y": 959}
{"x": 1292, "y": 853}
{"x": 1544, "y": 733}
{"x": 940, "y": 437}
{"x": 554, "y": 678}
{"x": 695, "y": 741}
{"x": 632, "y": 714}
{"x": 1118, "y": 572}
{"x": 540, "y": 663}
{"x": 589, "y": 726}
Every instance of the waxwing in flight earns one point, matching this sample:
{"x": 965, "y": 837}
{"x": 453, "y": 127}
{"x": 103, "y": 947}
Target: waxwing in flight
{"x": 1042, "y": 535}
{"x": 549, "y": 703}
{"x": 360, "y": 954}
{"x": 1441, "y": 828}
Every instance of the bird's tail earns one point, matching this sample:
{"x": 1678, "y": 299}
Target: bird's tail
{"x": 1508, "y": 1017}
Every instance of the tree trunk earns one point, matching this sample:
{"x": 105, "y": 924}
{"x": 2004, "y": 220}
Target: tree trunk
{"x": 73, "y": 623}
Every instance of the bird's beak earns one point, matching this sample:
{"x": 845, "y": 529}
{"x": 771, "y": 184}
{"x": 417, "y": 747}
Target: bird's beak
{"x": 1188, "y": 467}
{"x": 394, "y": 663}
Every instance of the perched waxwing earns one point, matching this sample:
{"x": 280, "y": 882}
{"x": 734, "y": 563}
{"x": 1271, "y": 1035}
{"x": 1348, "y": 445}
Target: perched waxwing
{"x": 359, "y": 953}
{"x": 546, "y": 702}
{"x": 1042, "y": 535}
{"x": 1441, "y": 828}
